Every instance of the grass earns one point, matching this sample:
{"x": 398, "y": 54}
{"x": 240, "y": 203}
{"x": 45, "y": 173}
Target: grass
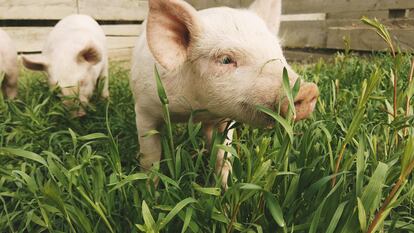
{"x": 59, "y": 174}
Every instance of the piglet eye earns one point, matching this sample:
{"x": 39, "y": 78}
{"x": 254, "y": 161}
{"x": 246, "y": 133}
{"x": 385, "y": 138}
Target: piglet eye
{"x": 227, "y": 60}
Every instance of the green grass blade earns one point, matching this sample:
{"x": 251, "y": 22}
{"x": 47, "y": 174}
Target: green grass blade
{"x": 187, "y": 219}
{"x": 24, "y": 154}
{"x": 283, "y": 122}
{"x": 148, "y": 219}
{"x": 336, "y": 217}
{"x": 128, "y": 179}
{"x": 362, "y": 217}
{"x": 274, "y": 208}
{"x": 177, "y": 208}
{"x": 372, "y": 194}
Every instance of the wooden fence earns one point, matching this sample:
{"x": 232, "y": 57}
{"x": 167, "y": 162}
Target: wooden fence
{"x": 339, "y": 19}
{"x": 315, "y": 24}
{"x": 29, "y": 21}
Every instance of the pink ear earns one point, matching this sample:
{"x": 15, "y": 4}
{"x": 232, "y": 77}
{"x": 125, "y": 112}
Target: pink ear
{"x": 270, "y": 11}
{"x": 90, "y": 54}
{"x": 35, "y": 63}
{"x": 171, "y": 28}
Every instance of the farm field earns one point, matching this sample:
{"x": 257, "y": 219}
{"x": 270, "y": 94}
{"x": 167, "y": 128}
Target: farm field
{"x": 59, "y": 174}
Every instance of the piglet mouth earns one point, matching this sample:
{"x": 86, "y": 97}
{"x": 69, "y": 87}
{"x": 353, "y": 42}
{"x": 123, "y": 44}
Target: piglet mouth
{"x": 254, "y": 116}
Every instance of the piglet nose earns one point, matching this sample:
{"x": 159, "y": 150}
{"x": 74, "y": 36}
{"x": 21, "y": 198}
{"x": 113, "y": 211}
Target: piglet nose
{"x": 305, "y": 101}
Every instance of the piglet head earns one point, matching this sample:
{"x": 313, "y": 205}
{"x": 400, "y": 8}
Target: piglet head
{"x": 75, "y": 75}
{"x": 229, "y": 60}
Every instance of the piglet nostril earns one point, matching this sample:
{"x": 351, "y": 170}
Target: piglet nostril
{"x": 298, "y": 102}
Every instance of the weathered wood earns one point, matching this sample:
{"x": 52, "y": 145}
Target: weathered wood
{"x": 117, "y": 42}
{"x": 390, "y": 23}
{"x": 380, "y": 14}
{"x": 31, "y": 39}
{"x": 114, "y": 10}
{"x": 28, "y": 39}
{"x": 307, "y": 56}
{"x": 57, "y": 9}
{"x": 36, "y": 9}
{"x": 303, "y": 6}
{"x": 365, "y": 39}
{"x": 311, "y": 23}
{"x": 302, "y": 34}
{"x": 122, "y": 55}
{"x": 245, "y": 3}
{"x": 316, "y": 6}
{"x": 203, "y": 4}
{"x": 122, "y": 30}
{"x": 304, "y": 17}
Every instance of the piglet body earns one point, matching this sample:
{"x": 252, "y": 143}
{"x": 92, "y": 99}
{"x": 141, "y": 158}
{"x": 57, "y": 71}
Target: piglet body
{"x": 74, "y": 57}
{"x": 223, "y": 61}
{"x": 8, "y": 65}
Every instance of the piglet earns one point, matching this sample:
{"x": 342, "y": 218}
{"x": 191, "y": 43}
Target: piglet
{"x": 74, "y": 56}
{"x": 8, "y": 65}
{"x": 221, "y": 60}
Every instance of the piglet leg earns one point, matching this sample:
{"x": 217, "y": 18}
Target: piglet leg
{"x": 150, "y": 145}
{"x": 223, "y": 165}
{"x": 10, "y": 85}
{"x": 105, "y": 78}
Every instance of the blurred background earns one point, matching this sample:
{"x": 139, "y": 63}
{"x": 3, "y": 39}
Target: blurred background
{"x": 310, "y": 28}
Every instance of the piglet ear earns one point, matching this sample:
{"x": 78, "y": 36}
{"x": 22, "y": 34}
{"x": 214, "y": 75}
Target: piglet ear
{"x": 38, "y": 63}
{"x": 171, "y": 29}
{"x": 90, "y": 54}
{"x": 270, "y": 11}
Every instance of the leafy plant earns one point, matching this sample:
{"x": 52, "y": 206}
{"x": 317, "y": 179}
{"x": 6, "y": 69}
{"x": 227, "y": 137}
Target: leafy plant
{"x": 62, "y": 174}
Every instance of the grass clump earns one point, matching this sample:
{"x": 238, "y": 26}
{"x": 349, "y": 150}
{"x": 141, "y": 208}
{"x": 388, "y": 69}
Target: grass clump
{"x": 60, "y": 174}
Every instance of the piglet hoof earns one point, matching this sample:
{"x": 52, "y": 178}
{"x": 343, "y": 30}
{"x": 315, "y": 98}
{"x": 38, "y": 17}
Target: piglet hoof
{"x": 78, "y": 113}
{"x": 11, "y": 92}
{"x": 224, "y": 173}
{"x": 105, "y": 95}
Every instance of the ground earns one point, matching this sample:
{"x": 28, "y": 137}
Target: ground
{"x": 60, "y": 174}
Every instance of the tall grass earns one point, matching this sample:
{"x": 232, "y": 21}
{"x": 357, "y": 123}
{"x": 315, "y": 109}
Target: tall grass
{"x": 59, "y": 174}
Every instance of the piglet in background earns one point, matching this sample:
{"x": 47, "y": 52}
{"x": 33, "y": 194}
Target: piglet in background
{"x": 8, "y": 65}
{"x": 221, "y": 60}
{"x": 74, "y": 56}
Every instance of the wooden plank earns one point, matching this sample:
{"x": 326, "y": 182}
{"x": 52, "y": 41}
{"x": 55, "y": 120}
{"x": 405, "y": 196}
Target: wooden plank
{"x": 303, "y": 6}
{"x": 122, "y": 29}
{"x": 379, "y": 14}
{"x": 411, "y": 13}
{"x": 316, "y": 6}
{"x": 203, "y": 4}
{"x": 303, "y": 34}
{"x": 123, "y": 54}
{"x": 36, "y": 9}
{"x": 304, "y": 17}
{"x": 114, "y": 10}
{"x": 365, "y": 39}
{"x": 116, "y": 42}
{"x": 31, "y": 39}
{"x": 28, "y": 39}
{"x": 245, "y": 3}
{"x": 368, "y": 5}
{"x": 307, "y": 56}
{"x": 390, "y": 23}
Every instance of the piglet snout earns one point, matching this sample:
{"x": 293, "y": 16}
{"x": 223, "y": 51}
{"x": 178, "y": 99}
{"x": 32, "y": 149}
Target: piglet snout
{"x": 69, "y": 94}
{"x": 305, "y": 101}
